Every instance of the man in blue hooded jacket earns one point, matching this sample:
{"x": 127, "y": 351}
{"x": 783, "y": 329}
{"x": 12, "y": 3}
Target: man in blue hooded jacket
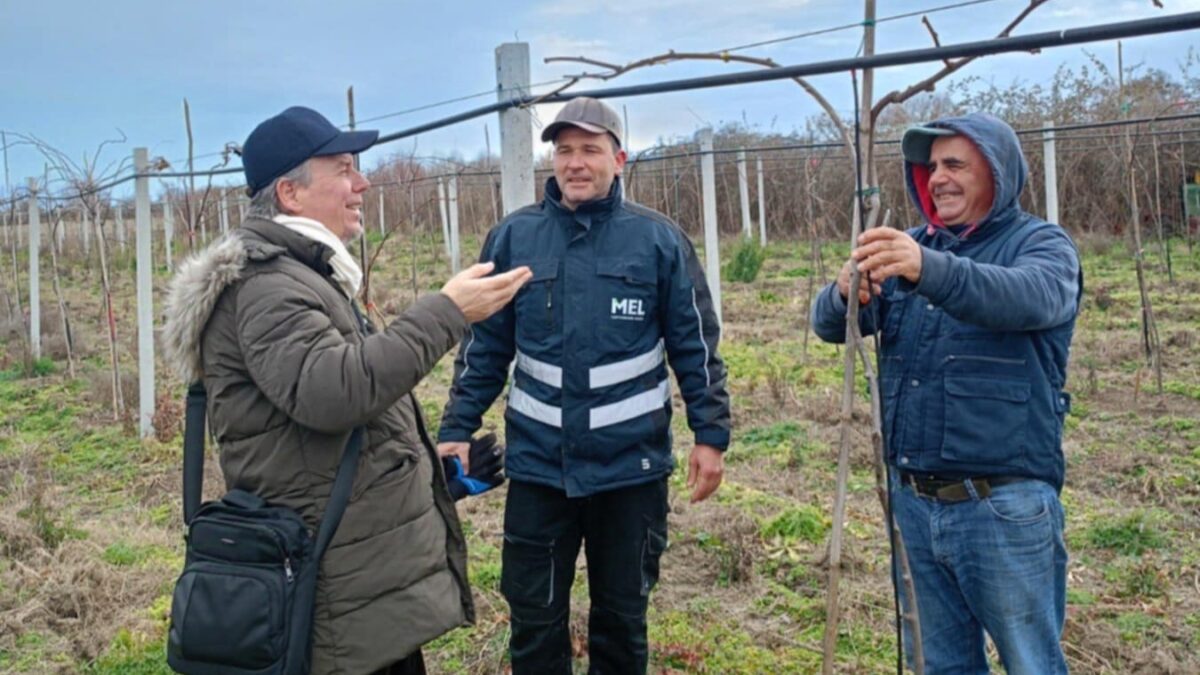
{"x": 976, "y": 310}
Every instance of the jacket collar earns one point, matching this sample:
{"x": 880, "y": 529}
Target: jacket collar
{"x": 267, "y": 239}
{"x": 586, "y": 213}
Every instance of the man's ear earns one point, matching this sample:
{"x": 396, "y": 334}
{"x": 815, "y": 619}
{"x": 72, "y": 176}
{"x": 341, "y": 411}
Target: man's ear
{"x": 285, "y": 194}
{"x": 621, "y": 156}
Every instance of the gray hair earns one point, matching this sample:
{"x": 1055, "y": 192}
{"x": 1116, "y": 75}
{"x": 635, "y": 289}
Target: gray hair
{"x": 265, "y": 203}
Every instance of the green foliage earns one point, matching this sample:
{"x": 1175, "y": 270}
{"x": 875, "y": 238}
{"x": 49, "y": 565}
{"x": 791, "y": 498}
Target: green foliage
{"x": 786, "y": 442}
{"x": 1135, "y": 627}
{"x": 729, "y": 557}
{"x": 132, "y": 654}
{"x": 773, "y": 434}
{"x": 46, "y": 523}
{"x": 43, "y": 367}
{"x": 486, "y": 576}
{"x": 1132, "y": 578}
{"x": 124, "y": 554}
{"x": 696, "y": 641}
{"x": 796, "y": 273}
{"x": 804, "y": 523}
{"x": 769, "y": 298}
{"x": 1189, "y": 389}
{"x": 1131, "y": 535}
{"x": 745, "y": 262}
{"x": 1076, "y": 596}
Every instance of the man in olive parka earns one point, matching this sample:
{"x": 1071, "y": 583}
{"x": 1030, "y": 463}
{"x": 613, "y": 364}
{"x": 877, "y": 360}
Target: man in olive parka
{"x": 266, "y": 318}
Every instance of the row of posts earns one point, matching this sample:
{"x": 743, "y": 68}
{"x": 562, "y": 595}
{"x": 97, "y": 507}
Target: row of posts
{"x": 517, "y": 189}
{"x": 85, "y": 225}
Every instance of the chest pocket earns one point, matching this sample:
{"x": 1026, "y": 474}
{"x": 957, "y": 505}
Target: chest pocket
{"x": 536, "y": 303}
{"x": 626, "y": 300}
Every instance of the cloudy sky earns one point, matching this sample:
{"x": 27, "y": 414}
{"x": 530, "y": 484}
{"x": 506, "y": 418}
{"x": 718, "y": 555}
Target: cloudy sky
{"x": 77, "y": 73}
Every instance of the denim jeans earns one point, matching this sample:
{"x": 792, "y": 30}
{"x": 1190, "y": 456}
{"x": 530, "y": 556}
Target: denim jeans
{"x": 996, "y": 564}
{"x": 624, "y": 532}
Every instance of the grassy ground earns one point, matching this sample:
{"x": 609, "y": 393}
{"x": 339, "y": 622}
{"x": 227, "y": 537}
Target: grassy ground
{"x": 90, "y": 526}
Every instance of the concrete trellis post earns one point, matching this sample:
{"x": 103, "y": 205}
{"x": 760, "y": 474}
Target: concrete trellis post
{"x": 241, "y": 204}
{"x": 60, "y": 228}
{"x": 762, "y": 205}
{"x": 452, "y": 207}
{"x": 712, "y": 242}
{"x": 35, "y": 249}
{"x": 121, "y": 226}
{"x": 1051, "y": 169}
{"x": 224, "y": 213}
{"x": 441, "y": 200}
{"x": 168, "y": 233}
{"x": 145, "y": 296}
{"x": 744, "y": 192}
{"x": 85, "y": 228}
{"x": 516, "y": 127}
{"x": 381, "y": 216}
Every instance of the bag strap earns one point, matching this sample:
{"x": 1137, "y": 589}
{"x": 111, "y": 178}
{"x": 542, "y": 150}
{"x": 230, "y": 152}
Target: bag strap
{"x": 339, "y": 496}
{"x": 193, "y": 469}
{"x": 193, "y": 450}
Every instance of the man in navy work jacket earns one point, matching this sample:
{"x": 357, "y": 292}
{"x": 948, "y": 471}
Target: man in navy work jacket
{"x": 976, "y": 310}
{"x": 616, "y": 294}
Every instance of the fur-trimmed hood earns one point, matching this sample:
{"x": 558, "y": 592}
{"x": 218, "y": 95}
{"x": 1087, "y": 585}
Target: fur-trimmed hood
{"x": 200, "y": 280}
{"x": 191, "y": 297}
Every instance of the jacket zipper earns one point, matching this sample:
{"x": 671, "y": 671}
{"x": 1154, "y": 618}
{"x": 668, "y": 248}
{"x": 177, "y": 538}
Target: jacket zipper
{"x": 287, "y": 558}
{"x": 550, "y": 304}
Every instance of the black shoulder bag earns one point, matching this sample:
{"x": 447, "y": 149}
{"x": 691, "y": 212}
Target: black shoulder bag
{"x": 244, "y": 602}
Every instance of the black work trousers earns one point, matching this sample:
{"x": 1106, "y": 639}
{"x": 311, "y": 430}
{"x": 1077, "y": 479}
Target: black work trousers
{"x": 624, "y": 533}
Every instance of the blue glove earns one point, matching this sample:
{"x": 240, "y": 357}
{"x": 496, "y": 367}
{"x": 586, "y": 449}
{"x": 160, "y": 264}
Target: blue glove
{"x": 487, "y": 468}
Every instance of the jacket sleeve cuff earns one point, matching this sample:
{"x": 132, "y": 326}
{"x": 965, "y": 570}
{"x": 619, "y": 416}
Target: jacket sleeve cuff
{"x": 448, "y": 435}
{"x": 836, "y": 302}
{"x": 717, "y": 438}
{"x": 446, "y": 310}
{"x": 935, "y": 274}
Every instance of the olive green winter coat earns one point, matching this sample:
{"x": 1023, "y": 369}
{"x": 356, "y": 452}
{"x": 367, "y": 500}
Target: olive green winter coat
{"x": 289, "y": 374}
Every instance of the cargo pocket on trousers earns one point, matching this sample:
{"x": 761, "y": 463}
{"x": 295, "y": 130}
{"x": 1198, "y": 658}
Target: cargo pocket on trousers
{"x": 527, "y": 571}
{"x": 652, "y": 550}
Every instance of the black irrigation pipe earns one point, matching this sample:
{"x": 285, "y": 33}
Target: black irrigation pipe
{"x": 1022, "y": 43}
{"x": 896, "y": 141}
{"x": 751, "y": 152}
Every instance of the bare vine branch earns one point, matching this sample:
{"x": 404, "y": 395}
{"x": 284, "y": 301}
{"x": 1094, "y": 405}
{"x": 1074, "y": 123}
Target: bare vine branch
{"x": 672, "y": 56}
{"x": 951, "y": 66}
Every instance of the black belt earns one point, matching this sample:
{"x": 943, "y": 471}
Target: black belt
{"x": 954, "y": 489}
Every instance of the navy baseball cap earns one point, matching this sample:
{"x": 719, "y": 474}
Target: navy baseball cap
{"x": 288, "y": 139}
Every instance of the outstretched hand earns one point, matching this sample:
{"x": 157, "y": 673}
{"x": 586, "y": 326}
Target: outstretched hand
{"x": 479, "y": 295}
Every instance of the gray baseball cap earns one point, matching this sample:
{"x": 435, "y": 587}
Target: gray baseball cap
{"x": 588, "y": 114}
{"x": 918, "y": 141}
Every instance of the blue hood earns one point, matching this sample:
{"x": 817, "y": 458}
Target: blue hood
{"x": 999, "y": 145}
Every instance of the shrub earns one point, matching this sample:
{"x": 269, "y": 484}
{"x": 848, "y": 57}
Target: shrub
{"x": 746, "y": 261}
{"x": 1132, "y": 535}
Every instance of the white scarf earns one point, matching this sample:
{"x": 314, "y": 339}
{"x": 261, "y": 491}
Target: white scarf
{"x": 345, "y": 270}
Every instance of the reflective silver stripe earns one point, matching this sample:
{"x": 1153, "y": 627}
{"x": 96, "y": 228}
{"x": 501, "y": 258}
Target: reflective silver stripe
{"x": 533, "y": 408}
{"x": 540, "y": 370}
{"x": 612, "y": 373}
{"x": 634, "y": 406}
{"x": 466, "y": 352}
{"x": 700, "y": 328}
